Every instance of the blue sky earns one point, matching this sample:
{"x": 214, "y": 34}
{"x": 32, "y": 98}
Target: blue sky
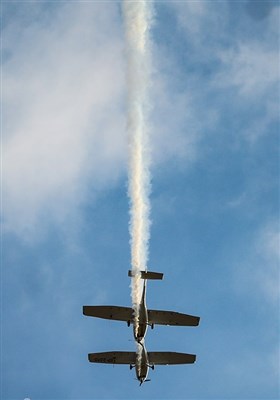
{"x": 215, "y": 198}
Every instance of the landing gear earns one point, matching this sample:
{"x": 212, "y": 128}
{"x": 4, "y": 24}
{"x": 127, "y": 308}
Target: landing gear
{"x": 128, "y": 323}
{"x": 131, "y": 366}
{"x": 152, "y": 326}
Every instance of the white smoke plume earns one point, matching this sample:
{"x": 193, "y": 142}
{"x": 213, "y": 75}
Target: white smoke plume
{"x": 137, "y": 18}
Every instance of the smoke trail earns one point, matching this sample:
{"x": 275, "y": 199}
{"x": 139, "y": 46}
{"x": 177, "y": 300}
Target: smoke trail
{"x": 137, "y": 16}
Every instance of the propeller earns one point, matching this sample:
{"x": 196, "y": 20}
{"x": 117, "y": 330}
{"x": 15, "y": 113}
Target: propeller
{"x": 146, "y": 380}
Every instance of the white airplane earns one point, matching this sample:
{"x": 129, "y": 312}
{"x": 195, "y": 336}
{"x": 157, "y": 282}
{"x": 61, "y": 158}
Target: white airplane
{"x": 146, "y": 317}
{"x": 143, "y": 360}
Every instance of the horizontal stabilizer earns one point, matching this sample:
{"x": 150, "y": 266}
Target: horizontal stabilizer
{"x": 109, "y": 312}
{"x": 170, "y": 358}
{"x": 171, "y": 318}
{"x": 147, "y": 275}
{"x": 113, "y": 357}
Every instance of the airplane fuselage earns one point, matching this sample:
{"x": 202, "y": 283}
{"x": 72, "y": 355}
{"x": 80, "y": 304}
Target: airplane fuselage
{"x": 140, "y": 328}
{"x": 142, "y": 365}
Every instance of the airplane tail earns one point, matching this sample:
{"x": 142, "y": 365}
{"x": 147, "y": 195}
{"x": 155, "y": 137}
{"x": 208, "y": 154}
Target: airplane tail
{"x": 148, "y": 275}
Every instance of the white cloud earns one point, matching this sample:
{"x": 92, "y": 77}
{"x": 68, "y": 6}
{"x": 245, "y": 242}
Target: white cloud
{"x": 176, "y": 117}
{"x": 175, "y": 130}
{"x": 202, "y": 23}
{"x": 250, "y": 67}
{"x": 243, "y": 60}
{"x": 190, "y": 14}
{"x": 258, "y": 275}
{"x": 264, "y": 363}
{"x": 252, "y": 70}
{"x": 63, "y": 121}
{"x": 64, "y": 104}
{"x": 268, "y": 251}
{"x": 270, "y": 241}
{"x": 64, "y": 112}
{"x": 194, "y": 16}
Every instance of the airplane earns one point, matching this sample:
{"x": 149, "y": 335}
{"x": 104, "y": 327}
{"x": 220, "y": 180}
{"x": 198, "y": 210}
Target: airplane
{"x": 146, "y": 317}
{"x": 142, "y": 361}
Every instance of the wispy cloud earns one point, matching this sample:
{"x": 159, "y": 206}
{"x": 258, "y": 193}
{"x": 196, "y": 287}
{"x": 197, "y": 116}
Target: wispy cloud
{"x": 250, "y": 67}
{"x": 233, "y": 69}
{"x": 64, "y": 111}
{"x": 257, "y": 274}
{"x": 63, "y": 125}
{"x": 64, "y": 100}
{"x": 267, "y": 270}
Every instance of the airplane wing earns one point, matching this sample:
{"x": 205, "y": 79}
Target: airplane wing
{"x": 113, "y": 357}
{"x": 109, "y": 312}
{"x": 169, "y": 358}
{"x": 172, "y": 318}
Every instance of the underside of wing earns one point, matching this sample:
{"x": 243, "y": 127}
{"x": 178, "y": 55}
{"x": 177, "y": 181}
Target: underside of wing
{"x": 113, "y": 357}
{"x": 172, "y": 318}
{"x": 170, "y": 358}
{"x": 109, "y": 312}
